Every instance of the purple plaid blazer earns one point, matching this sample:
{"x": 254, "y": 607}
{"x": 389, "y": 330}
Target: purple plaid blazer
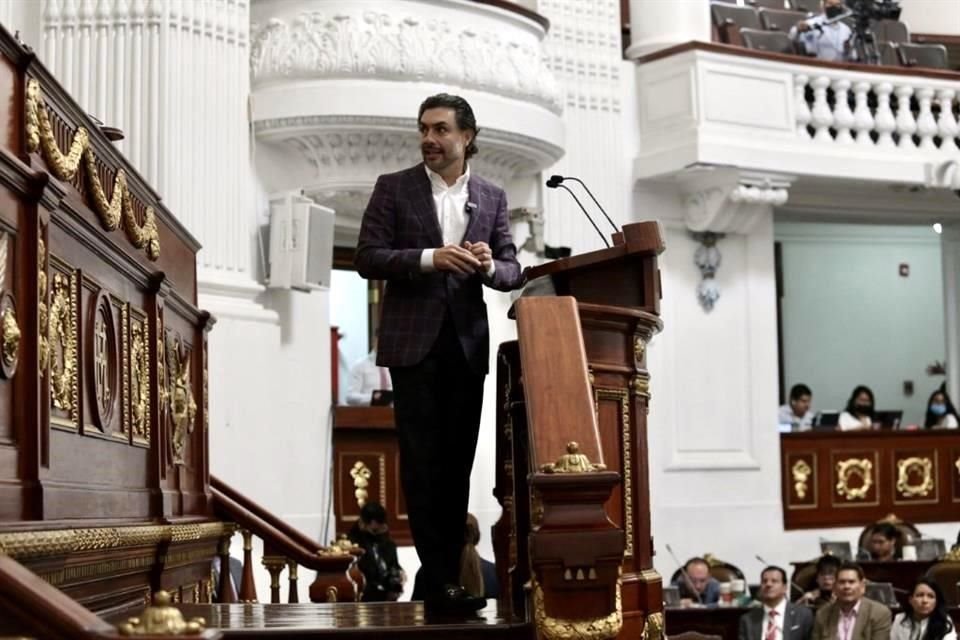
{"x": 399, "y": 223}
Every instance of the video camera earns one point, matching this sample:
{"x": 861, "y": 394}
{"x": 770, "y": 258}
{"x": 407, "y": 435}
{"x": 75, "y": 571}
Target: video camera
{"x": 866, "y": 10}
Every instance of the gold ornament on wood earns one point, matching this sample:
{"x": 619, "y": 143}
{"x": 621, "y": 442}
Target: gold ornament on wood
{"x": 653, "y": 627}
{"x": 361, "y": 475}
{"x": 854, "y": 468}
{"x": 43, "y": 347}
{"x": 921, "y": 466}
{"x": 113, "y": 213}
{"x": 162, "y": 619}
{"x": 62, "y": 344}
{"x": 140, "y": 380}
{"x": 11, "y": 337}
{"x": 801, "y": 475}
{"x": 572, "y": 462}
{"x": 183, "y": 407}
{"x": 550, "y": 628}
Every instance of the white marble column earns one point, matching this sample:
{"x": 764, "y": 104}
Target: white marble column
{"x": 174, "y": 76}
{"x": 658, "y": 24}
{"x": 950, "y": 252}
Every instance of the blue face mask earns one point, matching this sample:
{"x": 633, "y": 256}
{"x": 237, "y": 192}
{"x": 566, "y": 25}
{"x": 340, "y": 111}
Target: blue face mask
{"x": 938, "y": 409}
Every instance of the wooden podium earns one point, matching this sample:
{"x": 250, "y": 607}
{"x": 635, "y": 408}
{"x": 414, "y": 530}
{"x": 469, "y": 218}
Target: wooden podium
{"x": 618, "y": 294}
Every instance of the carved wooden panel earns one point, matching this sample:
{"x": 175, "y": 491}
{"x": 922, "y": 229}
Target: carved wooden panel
{"x": 801, "y": 480}
{"x": 854, "y": 478}
{"x": 914, "y": 477}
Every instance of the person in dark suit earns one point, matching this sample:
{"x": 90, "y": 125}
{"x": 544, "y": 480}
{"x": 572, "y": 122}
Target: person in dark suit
{"x": 778, "y": 618}
{"x": 851, "y": 616}
{"x": 437, "y": 233}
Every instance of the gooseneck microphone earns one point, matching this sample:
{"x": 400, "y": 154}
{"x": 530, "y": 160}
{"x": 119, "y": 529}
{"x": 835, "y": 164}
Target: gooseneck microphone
{"x": 559, "y": 179}
{"x": 683, "y": 571}
{"x": 552, "y": 183}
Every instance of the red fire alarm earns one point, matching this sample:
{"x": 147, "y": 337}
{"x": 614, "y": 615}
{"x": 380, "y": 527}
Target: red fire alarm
{"x": 904, "y": 270}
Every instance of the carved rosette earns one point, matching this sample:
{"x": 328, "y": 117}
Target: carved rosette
{"x": 62, "y": 344}
{"x": 915, "y": 477}
{"x": 103, "y": 362}
{"x": 183, "y": 407}
{"x": 854, "y": 478}
{"x": 139, "y": 379}
{"x": 10, "y": 349}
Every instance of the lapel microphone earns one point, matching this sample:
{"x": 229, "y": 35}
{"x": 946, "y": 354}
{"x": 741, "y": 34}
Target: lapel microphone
{"x": 470, "y": 207}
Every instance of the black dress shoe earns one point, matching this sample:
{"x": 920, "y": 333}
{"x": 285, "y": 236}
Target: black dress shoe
{"x": 454, "y": 599}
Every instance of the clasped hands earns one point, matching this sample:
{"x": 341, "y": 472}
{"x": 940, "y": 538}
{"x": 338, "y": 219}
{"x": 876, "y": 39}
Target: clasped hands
{"x": 470, "y": 257}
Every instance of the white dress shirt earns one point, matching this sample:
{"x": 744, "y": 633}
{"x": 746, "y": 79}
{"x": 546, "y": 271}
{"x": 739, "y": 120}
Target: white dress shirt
{"x": 781, "y": 610}
{"x": 451, "y": 205}
{"x": 365, "y": 378}
{"x": 829, "y": 42}
{"x": 904, "y": 629}
{"x": 850, "y": 422}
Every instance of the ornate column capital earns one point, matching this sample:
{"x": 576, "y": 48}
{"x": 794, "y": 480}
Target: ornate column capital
{"x": 729, "y": 200}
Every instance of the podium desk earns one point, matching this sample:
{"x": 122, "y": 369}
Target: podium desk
{"x": 853, "y": 478}
{"x": 718, "y": 621}
{"x": 366, "y": 467}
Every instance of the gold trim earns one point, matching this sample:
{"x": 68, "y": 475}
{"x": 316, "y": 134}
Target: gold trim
{"x": 550, "y": 628}
{"x": 361, "y": 474}
{"x": 38, "y": 544}
{"x": 332, "y": 594}
{"x": 653, "y": 627}
{"x": 639, "y": 350}
{"x": 846, "y": 469}
{"x": 572, "y": 462}
{"x": 125, "y": 344}
{"x": 623, "y": 397}
{"x": 112, "y": 213}
{"x": 801, "y": 475}
{"x": 183, "y": 408}
{"x": 905, "y": 467}
{"x": 11, "y": 338}
{"x": 162, "y": 619}
{"x": 62, "y": 340}
{"x": 140, "y": 380}
{"x": 43, "y": 348}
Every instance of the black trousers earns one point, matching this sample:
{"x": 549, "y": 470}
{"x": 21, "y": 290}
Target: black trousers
{"x": 437, "y": 407}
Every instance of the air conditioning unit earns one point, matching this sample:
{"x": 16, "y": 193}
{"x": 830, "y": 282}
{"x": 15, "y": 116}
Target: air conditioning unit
{"x": 301, "y": 242}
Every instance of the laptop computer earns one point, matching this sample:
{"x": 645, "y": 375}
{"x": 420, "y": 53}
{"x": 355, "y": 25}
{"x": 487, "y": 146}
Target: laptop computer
{"x": 888, "y": 419}
{"x": 381, "y": 398}
{"x": 826, "y": 421}
{"x": 930, "y": 548}
{"x": 836, "y": 548}
{"x": 881, "y": 592}
{"x": 671, "y": 596}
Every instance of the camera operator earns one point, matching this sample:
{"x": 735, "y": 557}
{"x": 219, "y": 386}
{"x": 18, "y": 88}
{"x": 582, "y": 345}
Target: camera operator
{"x": 824, "y": 36}
{"x": 381, "y": 570}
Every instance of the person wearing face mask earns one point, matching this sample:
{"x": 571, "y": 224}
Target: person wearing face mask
{"x": 825, "y": 37}
{"x": 382, "y": 573}
{"x": 859, "y": 413}
{"x": 925, "y": 615}
{"x": 941, "y": 414}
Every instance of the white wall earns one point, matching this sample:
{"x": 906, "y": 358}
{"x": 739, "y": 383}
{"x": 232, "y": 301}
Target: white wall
{"x": 849, "y": 318}
{"x": 931, "y": 16}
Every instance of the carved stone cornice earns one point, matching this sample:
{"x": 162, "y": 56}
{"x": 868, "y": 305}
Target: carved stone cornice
{"x": 728, "y": 200}
{"x": 473, "y": 47}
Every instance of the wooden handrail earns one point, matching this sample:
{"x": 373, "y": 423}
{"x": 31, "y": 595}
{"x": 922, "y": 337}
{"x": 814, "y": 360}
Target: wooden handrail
{"x": 43, "y": 611}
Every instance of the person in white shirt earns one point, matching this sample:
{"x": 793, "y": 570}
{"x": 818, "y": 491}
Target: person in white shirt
{"x": 824, "y": 38}
{"x": 859, "y": 413}
{"x": 366, "y": 377}
{"x": 941, "y": 414}
{"x": 925, "y": 615}
{"x": 797, "y": 413}
{"x": 778, "y": 619}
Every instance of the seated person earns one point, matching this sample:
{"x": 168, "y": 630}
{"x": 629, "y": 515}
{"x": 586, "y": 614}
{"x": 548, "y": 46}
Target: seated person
{"x": 478, "y": 576}
{"x": 381, "y": 570}
{"x": 822, "y": 37}
{"x": 859, "y": 413}
{"x": 851, "y": 615}
{"x": 797, "y": 413}
{"x": 925, "y": 615}
{"x": 366, "y": 377}
{"x": 827, "y": 567}
{"x": 882, "y": 543}
{"x": 698, "y": 586}
{"x": 777, "y": 618}
{"x": 941, "y": 414}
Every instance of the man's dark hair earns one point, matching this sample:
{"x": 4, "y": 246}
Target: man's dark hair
{"x": 462, "y": 111}
{"x": 798, "y": 391}
{"x": 783, "y": 574}
{"x": 828, "y": 563}
{"x": 887, "y": 529}
{"x": 852, "y": 566}
{"x": 373, "y": 511}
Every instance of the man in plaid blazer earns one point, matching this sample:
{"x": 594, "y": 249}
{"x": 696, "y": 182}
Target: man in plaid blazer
{"x": 437, "y": 233}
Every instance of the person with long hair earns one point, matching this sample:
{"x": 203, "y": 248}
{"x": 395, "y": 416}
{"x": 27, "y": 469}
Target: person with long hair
{"x": 924, "y": 616}
{"x": 477, "y": 576}
{"x": 941, "y": 414}
{"x": 860, "y": 410}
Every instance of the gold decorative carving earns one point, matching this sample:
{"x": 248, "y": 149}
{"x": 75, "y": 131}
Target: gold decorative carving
{"x": 801, "y": 476}
{"x": 161, "y": 619}
{"x": 163, "y": 391}
{"x": 62, "y": 341}
{"x": 572, "y": 462}
{"x": 43, "y": 347}
{"x": 38, "y": 544}
{"x": 338, "y": 548}
{"x": 653, "y": 627}
{"x": 851, "y": 468}
{"x": 103, "y": 363}
{"x": 113, "y": 213}
{"x": 623, "y": 397}
{"x": 956, "y": 463}
{"x": 550, "y": 628}
{"x": 11, "y": 338}
{"x": 183, "y": 408}
{"x": 640, "y": 385}
{"x": 206, "y": 386}
{"x": 125, "y": 365}
{"x": 332, "y": 594}
{"x": 953, "y": 555}
{"x": 916, "y": 464}
{"x": 140, "y": 380}
{"x": 361, "y": 480}
{"x": 639, "y": 349}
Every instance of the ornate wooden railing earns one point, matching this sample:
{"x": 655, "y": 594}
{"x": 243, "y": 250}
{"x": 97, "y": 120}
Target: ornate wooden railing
{"x": 284, "y": 547}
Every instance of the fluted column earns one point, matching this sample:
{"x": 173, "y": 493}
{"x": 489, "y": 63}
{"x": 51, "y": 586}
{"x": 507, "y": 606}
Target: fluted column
{"x": 658, "y": 24}
{"x": 174, "y": 76}
{"x": 950, "y": 256}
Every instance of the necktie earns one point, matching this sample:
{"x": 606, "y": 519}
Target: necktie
{"x": 771, "y": 625}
